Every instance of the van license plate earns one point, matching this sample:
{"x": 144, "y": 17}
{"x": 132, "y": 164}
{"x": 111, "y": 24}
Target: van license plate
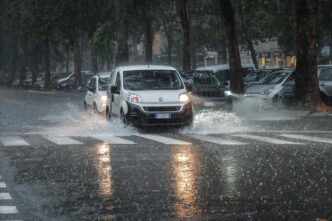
{"x": 209, "y": 104}
{"x": 163, "y": 116}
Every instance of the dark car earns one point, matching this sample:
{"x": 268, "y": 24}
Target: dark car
{"x": 206, "y": 90}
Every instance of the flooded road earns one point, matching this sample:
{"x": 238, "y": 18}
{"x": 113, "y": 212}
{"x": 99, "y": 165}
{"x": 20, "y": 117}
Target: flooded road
{"x": 59, "y": 163}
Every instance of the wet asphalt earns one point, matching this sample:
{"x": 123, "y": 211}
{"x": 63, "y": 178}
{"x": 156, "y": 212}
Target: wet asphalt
{"x": 147, "y": 179}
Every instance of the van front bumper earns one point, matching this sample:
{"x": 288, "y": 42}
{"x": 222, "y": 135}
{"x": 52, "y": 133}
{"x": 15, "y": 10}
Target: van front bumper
{"x": 138, "y": 116}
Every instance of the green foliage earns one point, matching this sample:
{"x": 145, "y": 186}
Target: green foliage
{"x": 102, "y": 41}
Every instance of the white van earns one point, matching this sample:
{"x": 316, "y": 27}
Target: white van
{"x": 148, "y": 95}
{"x": 223, "y": 74}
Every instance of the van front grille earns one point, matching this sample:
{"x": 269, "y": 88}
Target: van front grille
{"x": 161, "y": 108}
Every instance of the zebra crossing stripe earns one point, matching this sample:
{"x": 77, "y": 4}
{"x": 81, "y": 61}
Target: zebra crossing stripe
{"x": 2, "y": 185}
{"x": 8, "y": 209}
{"x": 62, "y": 140}
{"x": 13, "y": 141}
{"x": 162, "y": 139}
{"x": 5, "y": 196}
{"x": 308, "y": 138}
{"x": 267, "y": 139}
{"x": 217, "y": 140}
{"x": 113, "y": 139}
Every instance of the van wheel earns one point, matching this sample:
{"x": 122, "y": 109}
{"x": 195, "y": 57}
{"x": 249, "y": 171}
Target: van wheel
{"x": 123, "y": 117}
{"x": 95, "y": 110}
{"x": 108, "y": 115}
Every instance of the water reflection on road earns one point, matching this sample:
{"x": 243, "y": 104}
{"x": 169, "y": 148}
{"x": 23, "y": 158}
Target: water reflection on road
{"x": 104, "y": 170}
{"x": 185, "y": 172}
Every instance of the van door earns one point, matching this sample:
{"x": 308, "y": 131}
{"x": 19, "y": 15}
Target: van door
{"x": 115, "y": 97}
{"x": 91, "y": 91}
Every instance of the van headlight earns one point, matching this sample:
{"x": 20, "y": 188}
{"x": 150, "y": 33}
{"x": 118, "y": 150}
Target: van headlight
{"x": 103, "y": 98}
{"x": 134, "y": 98}
{"x": 183, "y": 97}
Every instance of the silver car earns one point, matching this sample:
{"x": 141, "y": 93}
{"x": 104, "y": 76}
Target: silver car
{"x": 325, "y": 82}
{"x": 271, "y": 87}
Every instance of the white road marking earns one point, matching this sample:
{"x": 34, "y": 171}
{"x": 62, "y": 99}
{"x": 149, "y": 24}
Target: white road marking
{"x": 8, "y": 209}
{"x": 113, "y": 140}
{"x": 162, "y": 139}
{"x": 217, "y": 140}
{"x": 2, "y": 185}
{"x": 266, "y": 139}
{"x": 5, "y": 196}
{"x": 13, "y": 141}
{"x": 62, "y": 140}
{"x": 308, "y": 138}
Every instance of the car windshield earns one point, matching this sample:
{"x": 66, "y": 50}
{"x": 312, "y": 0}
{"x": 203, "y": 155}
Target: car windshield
{"x": 255, "y": 76}
{"x": 200, "y": 78}
{"x": 326, "y": 75}
{"x": 151, "y": 80}
{"x": 102, "y": 84}
{"x": 274, "y": 78}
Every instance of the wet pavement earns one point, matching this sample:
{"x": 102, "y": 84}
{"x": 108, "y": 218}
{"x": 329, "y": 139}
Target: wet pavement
{"x": 59, "y": 163}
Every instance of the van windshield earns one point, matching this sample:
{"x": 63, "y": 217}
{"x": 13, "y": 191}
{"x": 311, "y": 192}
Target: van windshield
{"x": 151, "y": 80}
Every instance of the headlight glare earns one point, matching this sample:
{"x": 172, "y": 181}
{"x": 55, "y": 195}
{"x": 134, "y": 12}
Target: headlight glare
{"x": 183, "y": 97}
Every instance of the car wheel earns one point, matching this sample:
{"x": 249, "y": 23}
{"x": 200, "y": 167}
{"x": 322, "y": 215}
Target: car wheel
{"x": 108, "y": 115}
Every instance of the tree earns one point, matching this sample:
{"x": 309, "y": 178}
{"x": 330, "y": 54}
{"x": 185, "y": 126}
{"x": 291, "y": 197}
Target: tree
{"x": 185, "y": 25}
{"x": 236, "y": 71}
{"x": 306, "y": 80}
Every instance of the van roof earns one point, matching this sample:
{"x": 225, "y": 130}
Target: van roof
{"x": 145, "y": 67}
{"x": 220, "y": 67}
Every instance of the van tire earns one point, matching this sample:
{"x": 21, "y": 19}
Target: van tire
{"x": 123, "y": 117}
{"x": 108, "y": 115}
{"x": 95, "y": 110}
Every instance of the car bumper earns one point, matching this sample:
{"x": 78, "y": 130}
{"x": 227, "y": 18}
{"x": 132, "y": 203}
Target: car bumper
{"x": 220, "y": 103}
{"x": 138, "y": 117}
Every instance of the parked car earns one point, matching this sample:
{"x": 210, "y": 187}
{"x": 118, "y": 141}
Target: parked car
{"x": 223, "y": 74}
{"x": 206, "y": 90}
{"x": 325, "y": 83}
{"x": 253, "y": 77}
{"x": 149, "y": 95}
{"x": 272, "y": 87}
{"x": 4, "y": 78}
{"x": 96, "y": 96}
{"x": 68, "y": 82}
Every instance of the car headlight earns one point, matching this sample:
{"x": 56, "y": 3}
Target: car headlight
{"x": 228, "y": 93}
{"x": 183, "y": 97}
{"x": 135, "y": 98}
{"x": 268, "y": 91}
{"x": 103, "y": 98}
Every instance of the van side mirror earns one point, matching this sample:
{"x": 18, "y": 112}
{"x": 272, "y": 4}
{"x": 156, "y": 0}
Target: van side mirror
{"x": 90, "y": 89}
{"x": 225, "y": 83}
{"x": 114, "y": 90}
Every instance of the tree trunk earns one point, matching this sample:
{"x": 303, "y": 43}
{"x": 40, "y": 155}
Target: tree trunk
{"x": 185, "y": 35}
{"x": 122, "y": 55}
{"x": 147, "y": 33}
{"x": 47, "y": 63}
{"x": 169, "y": 48}
{"x": 252, "y": 52}
{"x": 77, "y": 63}
{"x": 306, "y": 80}
{"x": 94, "y": 62}
{"x": 34, "y": 63}
{"x": 223, "y": 51}
{"x": 236, "y": 70}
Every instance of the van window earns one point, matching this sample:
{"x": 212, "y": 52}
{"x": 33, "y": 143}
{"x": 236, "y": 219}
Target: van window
{"x": 152, "y": 80}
